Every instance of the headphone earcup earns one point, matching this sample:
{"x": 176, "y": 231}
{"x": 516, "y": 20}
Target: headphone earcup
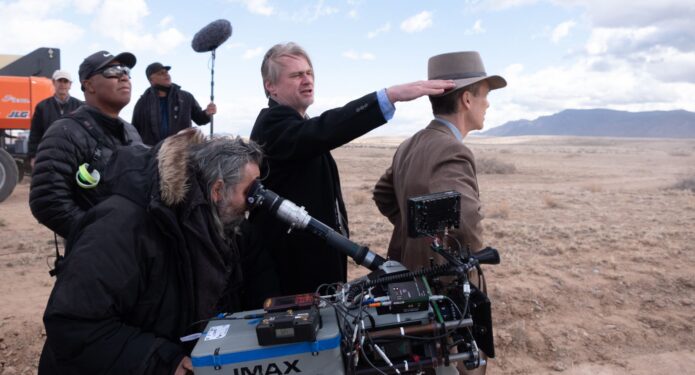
{"x": 87, "y": 177}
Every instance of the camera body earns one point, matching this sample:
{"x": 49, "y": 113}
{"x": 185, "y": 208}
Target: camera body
{"x": 393, "y": 320}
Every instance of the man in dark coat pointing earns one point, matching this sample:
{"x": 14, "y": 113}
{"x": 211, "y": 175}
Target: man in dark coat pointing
{"x": 299, "y": 167}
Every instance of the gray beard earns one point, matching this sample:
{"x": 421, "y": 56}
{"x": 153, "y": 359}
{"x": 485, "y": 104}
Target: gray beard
{"x": 225, "y": 230}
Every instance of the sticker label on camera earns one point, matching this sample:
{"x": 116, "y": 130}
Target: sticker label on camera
{"x": 217, "y": 332}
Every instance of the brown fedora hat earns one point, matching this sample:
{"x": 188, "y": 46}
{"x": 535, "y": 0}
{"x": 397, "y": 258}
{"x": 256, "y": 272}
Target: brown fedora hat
{"x": 464, "y": 68}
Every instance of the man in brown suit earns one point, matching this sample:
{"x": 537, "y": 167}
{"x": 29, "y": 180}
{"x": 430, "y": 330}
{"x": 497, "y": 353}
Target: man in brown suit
{"x": 435, "y": 158}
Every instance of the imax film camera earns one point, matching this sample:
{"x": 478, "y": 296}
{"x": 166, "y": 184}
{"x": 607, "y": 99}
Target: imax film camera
{"x": 392, "y": 321}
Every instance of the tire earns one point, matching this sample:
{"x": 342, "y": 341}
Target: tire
{"x": 8, "y": 174}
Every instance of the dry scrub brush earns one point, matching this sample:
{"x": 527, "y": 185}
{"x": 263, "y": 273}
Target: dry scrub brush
{"x": 594, "y": 188}
{"x": 487, "y": 165}
{"x": 680, "y": 153}
{"x": 686, "y": 184}
{"x": 551, "y": 202}
{"x": 500, "y": 210}
{"x": 360, "y": 197}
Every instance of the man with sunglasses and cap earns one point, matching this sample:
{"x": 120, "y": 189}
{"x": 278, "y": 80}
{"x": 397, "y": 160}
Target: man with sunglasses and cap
{"x": 435, "y": 160}
{"x": 164, "y": 109}
{"x": 75, "y": 150}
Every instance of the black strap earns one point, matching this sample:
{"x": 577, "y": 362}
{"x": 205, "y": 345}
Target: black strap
{"x": 455, "y": 76}
{"x": 88, "y": 123}
{"x": 59, "y": 258}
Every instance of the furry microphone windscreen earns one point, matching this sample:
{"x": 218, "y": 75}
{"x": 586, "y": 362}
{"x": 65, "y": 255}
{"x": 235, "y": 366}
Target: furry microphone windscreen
{"x": 212, "y": 36}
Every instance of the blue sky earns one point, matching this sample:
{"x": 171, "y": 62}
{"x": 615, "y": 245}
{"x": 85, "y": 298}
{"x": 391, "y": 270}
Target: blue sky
{"x": 621, "y": 54}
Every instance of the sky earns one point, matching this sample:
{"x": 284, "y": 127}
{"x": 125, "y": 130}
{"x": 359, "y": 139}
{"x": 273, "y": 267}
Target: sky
{"x": 634, "y": 55}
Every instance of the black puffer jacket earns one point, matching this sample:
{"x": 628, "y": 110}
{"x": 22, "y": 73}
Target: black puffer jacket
{"x": 45, "y": 113}
{"x": 142, "y": 266}
{"x": 55, "y": 198}
{"x": 182, "y": 108}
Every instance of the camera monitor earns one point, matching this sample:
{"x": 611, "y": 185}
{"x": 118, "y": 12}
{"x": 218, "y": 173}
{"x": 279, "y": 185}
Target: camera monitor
{"x": 432, "y": 213}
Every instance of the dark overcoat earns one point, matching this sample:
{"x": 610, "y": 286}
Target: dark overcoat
{"x": 298, "y": 166}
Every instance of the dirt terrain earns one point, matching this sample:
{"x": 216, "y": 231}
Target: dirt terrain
{"x": 597, "y": 246}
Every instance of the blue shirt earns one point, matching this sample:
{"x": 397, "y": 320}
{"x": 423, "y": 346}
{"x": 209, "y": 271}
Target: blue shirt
{"x": 451, "y": 126}
{"x": 164, "y": 112}
{"x": 387, "y": 108}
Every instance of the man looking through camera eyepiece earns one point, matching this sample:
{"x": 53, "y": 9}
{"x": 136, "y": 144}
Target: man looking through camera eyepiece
{"x": 157, "y": 256}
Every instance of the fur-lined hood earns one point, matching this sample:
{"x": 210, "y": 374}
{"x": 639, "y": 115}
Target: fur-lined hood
{"x": 172, "y": 160}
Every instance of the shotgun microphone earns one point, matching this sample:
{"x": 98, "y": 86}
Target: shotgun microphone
{"x": 207, "y": 40}
{"x": 212, "y": 36}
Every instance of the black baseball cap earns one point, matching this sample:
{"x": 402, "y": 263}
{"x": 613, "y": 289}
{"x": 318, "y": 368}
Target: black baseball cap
{"x": 98, "y": 60}
{"x": 154, "y": 68}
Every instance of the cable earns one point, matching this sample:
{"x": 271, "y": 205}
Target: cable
{"x": 437, "y": 270}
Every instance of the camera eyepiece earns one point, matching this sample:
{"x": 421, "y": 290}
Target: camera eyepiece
{"x": 298, "y": 217}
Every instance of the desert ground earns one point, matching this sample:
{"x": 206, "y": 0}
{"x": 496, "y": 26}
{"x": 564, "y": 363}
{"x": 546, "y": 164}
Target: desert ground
{"x": 596, "y": 235}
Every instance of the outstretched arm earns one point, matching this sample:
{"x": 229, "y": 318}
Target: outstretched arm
{"x": 409, "y": 91}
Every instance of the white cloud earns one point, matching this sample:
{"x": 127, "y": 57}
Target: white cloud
{"x": 580, "y": 86}
{"x": 513, "y": 70}
{"x": 354, "y": 4}
{"x": 620, "y": 40}
{"x": 232, "y": 45}
{"x": 476, "y": 29}
{"x": 86, "y": 6}
{"x": 644, "y": 49}
{"x": 121, "y": 15}
{"x": 639, "y": 56}
{"x": 166, "y": 21}
{"x": 353, "y": 55}
{"x": 635, "y": 13}
{"x": 669, "y": 64}
{"x": 561, "y": 31}
{"x": 123, "y": 21}
{"x": 237, "y": 114}
{"x": 418, "y": 22}
{"x": 251, "y": 53}
{"x": 29, "y": 24}
{"x": 311, "y": 13}
{"x": 166, "y": 40}
{"x": 383, "y": 29}
{"x": 258, "y": 7}
{"x": 500, "y": 4}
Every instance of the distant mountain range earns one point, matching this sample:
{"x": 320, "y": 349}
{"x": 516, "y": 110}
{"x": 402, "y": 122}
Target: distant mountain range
{"x": 604, "y": 123}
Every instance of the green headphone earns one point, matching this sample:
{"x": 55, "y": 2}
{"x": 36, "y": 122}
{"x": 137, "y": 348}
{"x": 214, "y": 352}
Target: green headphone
{"x": 87, "y": 177}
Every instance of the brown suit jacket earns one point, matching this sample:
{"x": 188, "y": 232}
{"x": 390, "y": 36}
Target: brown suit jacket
{"x": 431, "y": 161}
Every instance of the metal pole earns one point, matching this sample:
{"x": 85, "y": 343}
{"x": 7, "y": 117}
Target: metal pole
{"x": 212, "y": 92}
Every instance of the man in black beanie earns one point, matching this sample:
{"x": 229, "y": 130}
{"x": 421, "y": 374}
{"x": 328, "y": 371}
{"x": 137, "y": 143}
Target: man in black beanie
{"x": 164, "y": 109}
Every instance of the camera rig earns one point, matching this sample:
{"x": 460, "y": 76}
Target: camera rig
{"x": 392, "y": 321}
